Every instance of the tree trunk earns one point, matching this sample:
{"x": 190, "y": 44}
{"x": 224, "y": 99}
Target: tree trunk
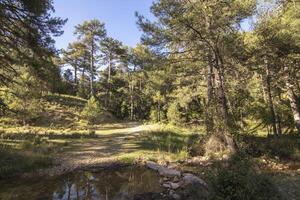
{"x": 75, "y": 74}
{"x": 293, "y": 103}
{"x": 209, "y": 122}
{"x": 75, "y": 78}
{"x": 263, "y": 89}
{"x": 92, "y": 69}
{"x": 158, "y": 111}
{"x": 228, "y": 138}
{"x": 131, "y": 102}
{"x": 270, "y": 101}
{"x": 224, "y": 107}
{"x": 108, "y": 95}
{"x": 278, "y": 122}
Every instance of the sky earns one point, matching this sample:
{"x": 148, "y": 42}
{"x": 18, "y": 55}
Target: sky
{"x": 118, "y": 16}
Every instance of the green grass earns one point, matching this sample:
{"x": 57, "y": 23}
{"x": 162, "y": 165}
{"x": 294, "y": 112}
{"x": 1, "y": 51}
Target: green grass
{"x": 25, "y": 153}
{"x": 67, "y": 100}
{"x": 13, "y": 162}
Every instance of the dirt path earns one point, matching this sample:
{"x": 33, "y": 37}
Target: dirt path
{"x": 103, "y": 150}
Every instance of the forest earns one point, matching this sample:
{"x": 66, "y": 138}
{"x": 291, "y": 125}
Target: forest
{"x": 205, "y": 106}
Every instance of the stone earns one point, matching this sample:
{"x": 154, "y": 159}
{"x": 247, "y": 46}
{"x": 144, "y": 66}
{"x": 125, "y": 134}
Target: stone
{"x": 167, "y": 185}
{"x": 152, "y": 165}
{"x": 176, "y": 179}
{"x": 175, "y": 196}
{"x": 174, "y": 186}
{"x": 163, "y": 171}
{"x": 191, "y": 179}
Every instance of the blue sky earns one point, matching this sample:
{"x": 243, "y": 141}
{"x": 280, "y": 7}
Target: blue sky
{"x": 118, "y": 16}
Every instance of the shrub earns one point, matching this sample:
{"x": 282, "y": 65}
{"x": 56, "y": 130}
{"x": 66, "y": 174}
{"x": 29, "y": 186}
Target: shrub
{"x": 284, "y": 147}
{"x": 154, "y": 115}
{"x": 92, "y": 110}
{"x": 24, "y": 98}
{"x": 174, "y": 114}
{"x": 240, "y": 180}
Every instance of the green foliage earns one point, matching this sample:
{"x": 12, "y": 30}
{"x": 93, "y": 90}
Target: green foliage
{"x": 241, "y": 180}
{"x": 283, "y": 147}
{"x": 92, "y": 110}
{"x": 174, "y": 115}
{"x": 157, "y": 116}
{"x": 24, "y": 98}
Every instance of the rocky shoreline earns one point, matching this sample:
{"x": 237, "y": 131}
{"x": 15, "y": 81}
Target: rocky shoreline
{"x": 179, "y": 185}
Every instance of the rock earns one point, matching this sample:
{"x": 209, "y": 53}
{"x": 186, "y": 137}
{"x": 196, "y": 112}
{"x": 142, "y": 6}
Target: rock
{"x": 163, "y": 171}
{"x": 175, "y": 196}
{"x": 152, "y": 165}
{"x": 171, "y": 192}
{"x": 191, "y": 179}
{"x": 149, "y": 196}
{"x": 176, "y": 179}
{"x": 172, "y": 166}
{"x": 174, "y": 186}
{"x": 193, "y": 191}
{"x": 167, "y": 185}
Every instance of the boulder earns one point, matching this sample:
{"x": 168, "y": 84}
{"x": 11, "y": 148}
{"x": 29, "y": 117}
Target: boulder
{"x": 192, "y": 179}
{"x": 152, "y": 165}
{"x": 174, "y": 186}
{"x": 163, "y": 171}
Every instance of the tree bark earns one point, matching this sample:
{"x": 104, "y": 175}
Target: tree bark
{"x": 223, "y": 101}
{"x": 75, "y": 78}
{"x": 131, "y": 102}
{"x": 293, "y": 103}
{"x": 92, "y": 68}
{"x": 209, "y": 119}
{"x": 270, "y": 100}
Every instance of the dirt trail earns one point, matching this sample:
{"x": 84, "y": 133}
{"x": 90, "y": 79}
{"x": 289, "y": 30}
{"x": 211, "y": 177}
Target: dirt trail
{"x": 101, "y": 151}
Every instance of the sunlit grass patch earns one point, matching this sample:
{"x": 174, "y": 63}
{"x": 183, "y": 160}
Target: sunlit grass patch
{"x": 166, "y": 139}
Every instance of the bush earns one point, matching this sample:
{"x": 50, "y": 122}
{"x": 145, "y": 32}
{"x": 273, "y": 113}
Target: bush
{"x": 24, "y": 98}
{"x": 154, "y": 115}
{"x": 283, "y": 147}
{"x": 174, "y": 114}
{"x": 92, "y": 110}
{"x": 240, "y": 180}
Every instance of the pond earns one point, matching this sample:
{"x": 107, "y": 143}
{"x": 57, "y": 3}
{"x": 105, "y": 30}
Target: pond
{"x": 113, "y": 184}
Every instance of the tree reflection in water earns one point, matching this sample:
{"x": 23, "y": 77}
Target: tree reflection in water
{"x": 113, "y": 184}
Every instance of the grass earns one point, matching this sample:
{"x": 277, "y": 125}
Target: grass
{"x": 168, "y": 140}
{"x": 25, "y": 153}
{"x": 38, "y": 146}
{"x": 13, "y": 162}
{"x": 162, "y": 144}
{"x": 34, "y": 148}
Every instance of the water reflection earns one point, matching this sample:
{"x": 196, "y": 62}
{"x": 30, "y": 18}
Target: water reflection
{"x": 121, "y": 184}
